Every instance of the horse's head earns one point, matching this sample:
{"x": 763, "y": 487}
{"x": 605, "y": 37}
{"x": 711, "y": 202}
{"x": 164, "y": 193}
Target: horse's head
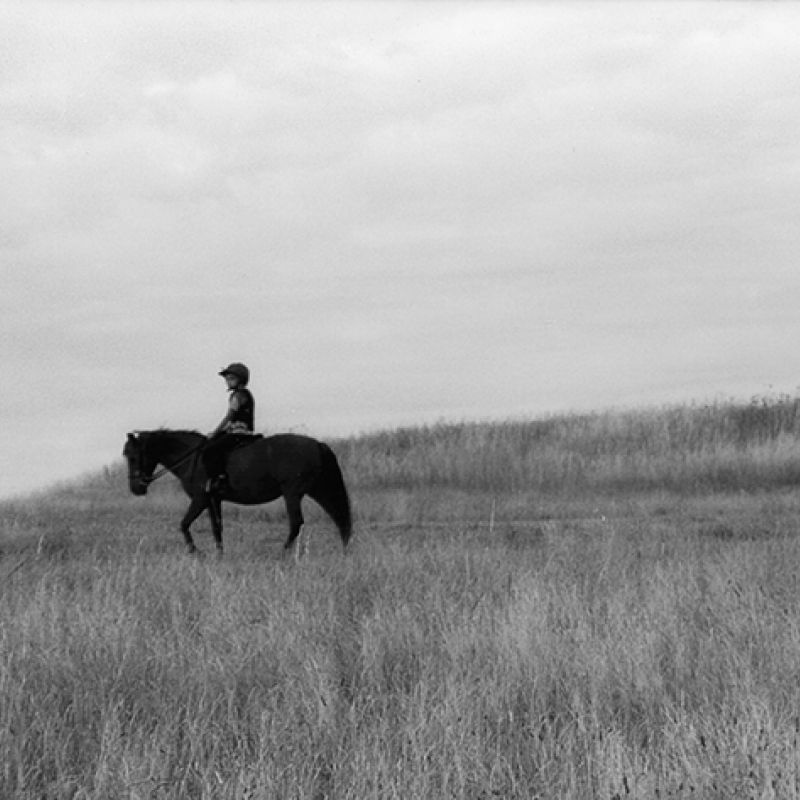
{"x": 141, "y": 463}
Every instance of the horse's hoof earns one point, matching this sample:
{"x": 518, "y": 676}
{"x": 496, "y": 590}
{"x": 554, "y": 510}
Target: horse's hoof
{"x": 287, "y": 553}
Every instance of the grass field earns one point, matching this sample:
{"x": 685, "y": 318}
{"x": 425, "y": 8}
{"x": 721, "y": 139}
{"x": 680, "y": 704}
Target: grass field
{"x": 597, "y": 606}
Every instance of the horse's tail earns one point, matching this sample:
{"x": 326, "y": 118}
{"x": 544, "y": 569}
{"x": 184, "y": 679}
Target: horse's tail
{"x": 331, "y": 493}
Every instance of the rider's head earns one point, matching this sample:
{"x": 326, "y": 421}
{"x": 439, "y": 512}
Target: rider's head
{"x": 236, "y": 375}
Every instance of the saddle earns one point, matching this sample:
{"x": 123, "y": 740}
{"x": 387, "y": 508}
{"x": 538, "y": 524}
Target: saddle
{"x": 218, "y": 453}
{"x": 244, "y": 439}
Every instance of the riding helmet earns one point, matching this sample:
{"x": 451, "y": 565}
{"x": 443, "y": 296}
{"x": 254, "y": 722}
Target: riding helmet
{"x": 237, "y": 369}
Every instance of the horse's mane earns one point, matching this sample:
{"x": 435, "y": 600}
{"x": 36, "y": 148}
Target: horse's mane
{"x": 172, "y": 432}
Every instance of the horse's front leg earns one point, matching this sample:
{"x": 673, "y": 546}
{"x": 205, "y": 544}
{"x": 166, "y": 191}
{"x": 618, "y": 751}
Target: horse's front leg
{"x": 215, "y": 512}
{"x": 196, "y": 508}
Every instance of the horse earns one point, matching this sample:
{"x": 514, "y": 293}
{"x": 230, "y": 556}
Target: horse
{"x": 260, "y": 471}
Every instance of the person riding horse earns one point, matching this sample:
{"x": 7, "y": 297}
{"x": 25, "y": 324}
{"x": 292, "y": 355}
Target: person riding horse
{"x": 235, "y": 429}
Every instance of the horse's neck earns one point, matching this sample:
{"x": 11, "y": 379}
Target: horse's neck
{"x": 173, "y": 448}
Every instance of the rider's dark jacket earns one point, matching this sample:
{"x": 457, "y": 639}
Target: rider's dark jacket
{"x": 243, "y": 416}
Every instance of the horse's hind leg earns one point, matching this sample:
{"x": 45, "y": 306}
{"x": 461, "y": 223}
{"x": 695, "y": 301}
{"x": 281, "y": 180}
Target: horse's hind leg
{"x": 295, "y": 513}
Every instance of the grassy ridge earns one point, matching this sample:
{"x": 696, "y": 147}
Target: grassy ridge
{"x": 597, "y": 462}
{"x": 727, "y": 446}
{"x": 687, "y": 449}
{"x": 647, "y": 653}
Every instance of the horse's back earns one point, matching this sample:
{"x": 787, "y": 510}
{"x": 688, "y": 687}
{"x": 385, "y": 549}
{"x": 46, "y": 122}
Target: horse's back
{"x": 290, "y": 446}
{"x": 290, "y": 440}
{"x": 282, "y": 456}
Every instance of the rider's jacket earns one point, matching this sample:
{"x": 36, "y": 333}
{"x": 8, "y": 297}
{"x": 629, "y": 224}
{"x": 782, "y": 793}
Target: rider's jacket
{"x": 243, "y": 416}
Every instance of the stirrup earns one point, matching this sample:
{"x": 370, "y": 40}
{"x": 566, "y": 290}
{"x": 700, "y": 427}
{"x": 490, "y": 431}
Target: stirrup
{"x": 217, "y": 485}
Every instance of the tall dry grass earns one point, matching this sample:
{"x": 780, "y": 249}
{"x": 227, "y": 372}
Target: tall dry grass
{"x": 722, "y": 446}
{"x": 591, "y": 660}
{"x": 650, "y": 654}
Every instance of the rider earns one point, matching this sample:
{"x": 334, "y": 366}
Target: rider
{"x": 236, "y": 425}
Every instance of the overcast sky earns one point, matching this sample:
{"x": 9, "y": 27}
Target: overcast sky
{"x": 394, "y": 213}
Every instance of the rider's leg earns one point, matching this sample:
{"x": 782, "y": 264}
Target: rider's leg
{"x": 214, "y": 458}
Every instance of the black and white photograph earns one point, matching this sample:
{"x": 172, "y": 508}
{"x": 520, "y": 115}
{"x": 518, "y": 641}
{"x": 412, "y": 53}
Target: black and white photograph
{"x": 400, "y": 399}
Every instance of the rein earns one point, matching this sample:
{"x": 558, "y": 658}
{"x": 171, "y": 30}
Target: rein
{"x": 164, "y": 470}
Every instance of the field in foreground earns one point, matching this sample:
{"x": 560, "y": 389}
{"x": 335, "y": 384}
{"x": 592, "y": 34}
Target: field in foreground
{"x": 584, "y": 645}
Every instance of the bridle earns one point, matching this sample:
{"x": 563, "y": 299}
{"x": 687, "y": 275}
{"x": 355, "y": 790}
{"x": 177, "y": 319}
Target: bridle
{"x": 159, "y": 473}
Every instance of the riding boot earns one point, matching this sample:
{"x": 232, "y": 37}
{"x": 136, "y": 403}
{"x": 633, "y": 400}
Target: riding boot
{"x": 217, "y": 486}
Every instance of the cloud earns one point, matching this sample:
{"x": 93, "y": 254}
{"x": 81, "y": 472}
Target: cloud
{"x": 393, "y": 212}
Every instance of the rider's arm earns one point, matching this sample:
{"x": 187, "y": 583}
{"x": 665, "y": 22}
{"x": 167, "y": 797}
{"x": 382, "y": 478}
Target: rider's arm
{"x": 233, "y": 407}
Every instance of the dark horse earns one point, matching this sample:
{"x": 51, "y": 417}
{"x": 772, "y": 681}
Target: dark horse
{"x": 258, "y": 472}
